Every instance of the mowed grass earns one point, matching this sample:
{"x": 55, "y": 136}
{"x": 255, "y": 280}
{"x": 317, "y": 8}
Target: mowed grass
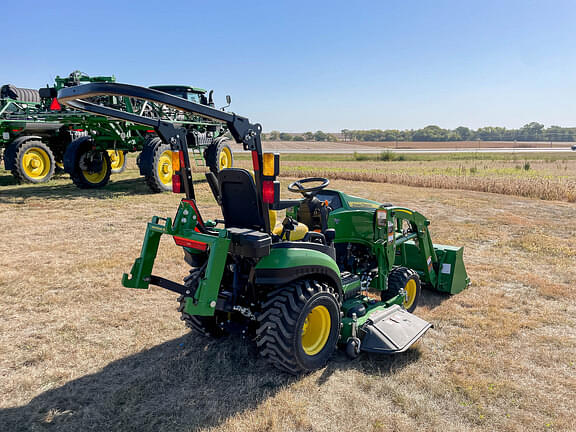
{"x": 80, "y": 352}
{"x": 545, "y": 176}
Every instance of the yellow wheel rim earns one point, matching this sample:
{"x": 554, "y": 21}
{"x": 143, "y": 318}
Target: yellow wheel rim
{"x": 116, "y": 159}
{"x": 316, "y": 330}
{"x": 411, "y": 290}
{"x": 36, "y": 163}
{"x": 164, "y": 167}
{"x": 96, "y": 177}
{"x": 225, "y": 158}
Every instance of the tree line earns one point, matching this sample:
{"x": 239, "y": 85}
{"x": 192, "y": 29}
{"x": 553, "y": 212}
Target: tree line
{"x": 307, "y": 136}
{"x": 530, "y": 132}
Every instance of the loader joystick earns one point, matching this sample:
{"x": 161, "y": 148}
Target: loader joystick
{"x": 297, "y": 187}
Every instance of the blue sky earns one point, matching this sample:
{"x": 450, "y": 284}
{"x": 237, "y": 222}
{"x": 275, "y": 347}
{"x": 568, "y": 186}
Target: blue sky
{"x": 329, "y": 65}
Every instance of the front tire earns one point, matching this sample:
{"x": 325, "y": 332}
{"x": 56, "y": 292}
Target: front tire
{"x": 299, "y": 326}
{"x": 402, "y": 280}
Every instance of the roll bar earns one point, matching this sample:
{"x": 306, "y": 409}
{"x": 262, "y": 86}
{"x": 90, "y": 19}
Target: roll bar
{"x": 242, "y": 130}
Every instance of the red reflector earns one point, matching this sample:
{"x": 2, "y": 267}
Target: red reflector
{"x": 78, "y": 130}
{"x": 181, "y": 241}
{"x": 150, "y": 131}
{"x": 16, "y": 130}
{"x": 255, "y": 162}
{"x": 55, "y": 105}
{"x": 182, "y": 163}
{"x": 176, "y": 185}
{"x": 268, "y": 191}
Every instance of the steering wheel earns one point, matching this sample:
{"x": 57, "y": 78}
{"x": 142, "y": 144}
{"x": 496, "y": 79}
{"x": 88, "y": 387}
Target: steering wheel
{"x": 297, "y": 186}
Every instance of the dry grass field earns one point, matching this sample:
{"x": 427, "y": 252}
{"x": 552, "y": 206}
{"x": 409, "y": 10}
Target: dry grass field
{"x": 79, "y": 352}
{"x": 552, "y": 177}
{"x": 472, "y": 145}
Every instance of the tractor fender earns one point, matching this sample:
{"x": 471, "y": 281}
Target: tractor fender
{"x": 13, "y": 147}
{"x": 285, "y": 265}
{"x": 72, "y": 150}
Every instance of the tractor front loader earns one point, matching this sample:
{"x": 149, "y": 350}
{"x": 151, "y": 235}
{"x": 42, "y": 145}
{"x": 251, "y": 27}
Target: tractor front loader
{"x": 300, "y": 286}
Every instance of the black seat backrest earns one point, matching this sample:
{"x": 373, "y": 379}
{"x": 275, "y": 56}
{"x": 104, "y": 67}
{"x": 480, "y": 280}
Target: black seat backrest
{"x": 239, "y": 199}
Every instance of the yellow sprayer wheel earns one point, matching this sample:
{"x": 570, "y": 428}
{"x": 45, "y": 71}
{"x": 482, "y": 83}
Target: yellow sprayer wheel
{"x": 225, "y": 159}
{"x": 117, "y": 161}
{"x": 34, "y": 162}
{"x": 164, "y": 167}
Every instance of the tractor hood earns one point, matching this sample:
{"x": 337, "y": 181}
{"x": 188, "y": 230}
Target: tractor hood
{"x": 357, "y": 203}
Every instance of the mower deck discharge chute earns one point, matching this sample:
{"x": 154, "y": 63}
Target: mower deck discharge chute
{"x": 298, "y": 286}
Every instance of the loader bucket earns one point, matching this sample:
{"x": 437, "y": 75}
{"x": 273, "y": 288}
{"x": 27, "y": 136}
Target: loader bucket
{"x": 452, "y": 276}
{"x": 392, "y": 330}
{"x": 449, "y": 271}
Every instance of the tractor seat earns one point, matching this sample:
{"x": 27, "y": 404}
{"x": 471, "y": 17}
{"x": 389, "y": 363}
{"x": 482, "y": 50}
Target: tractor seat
{"x": 298, "y": 233}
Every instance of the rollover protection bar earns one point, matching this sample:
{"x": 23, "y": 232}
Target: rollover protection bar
{"x": 242, "y": 130}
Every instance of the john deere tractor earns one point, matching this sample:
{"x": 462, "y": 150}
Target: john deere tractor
{"x": 337, "y": 270}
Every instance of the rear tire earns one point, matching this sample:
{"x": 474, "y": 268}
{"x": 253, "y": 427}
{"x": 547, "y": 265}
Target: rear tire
{"x": 205, "y": 325}
{"x": 32, "y": 161}
{"x": 156, "y": 165}
{"x": 402, "y": 279}
{"x": 219, "y": 156}
{"x": 299, "y": 326}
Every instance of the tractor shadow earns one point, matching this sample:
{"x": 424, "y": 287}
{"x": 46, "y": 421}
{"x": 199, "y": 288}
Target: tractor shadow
{"x": 432, "y": 299}
{"x": 188, "y": 383}
{"x": 7, "y": 180}
{"x": 380, "y": 365}
{"x": 49, "y": 190}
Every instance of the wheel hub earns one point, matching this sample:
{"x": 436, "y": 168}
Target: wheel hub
{"x": 36, "y": 163}
{"x": 409, "y": 293}
{"x": 164, "y": 167}
{"x": 316, "y": 330}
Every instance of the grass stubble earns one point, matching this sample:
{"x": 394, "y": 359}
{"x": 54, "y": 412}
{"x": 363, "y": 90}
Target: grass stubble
{"x": 79, "y": 352}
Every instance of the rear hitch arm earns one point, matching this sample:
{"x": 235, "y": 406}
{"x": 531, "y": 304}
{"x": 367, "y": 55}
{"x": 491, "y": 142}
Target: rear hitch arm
{"x": 141, "y": 273}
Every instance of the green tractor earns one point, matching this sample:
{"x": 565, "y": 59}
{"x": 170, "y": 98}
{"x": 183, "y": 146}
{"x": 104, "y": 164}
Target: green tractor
{"x": 299, "y": 287}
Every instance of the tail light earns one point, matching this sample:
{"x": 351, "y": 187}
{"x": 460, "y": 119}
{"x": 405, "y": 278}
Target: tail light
{"x": 176, "y": 179}
{"x": 176, "y": 184}
{"x": 176, "y": 161}
{"x": 270, "y": 164}
{"x": 270, "y": 191}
